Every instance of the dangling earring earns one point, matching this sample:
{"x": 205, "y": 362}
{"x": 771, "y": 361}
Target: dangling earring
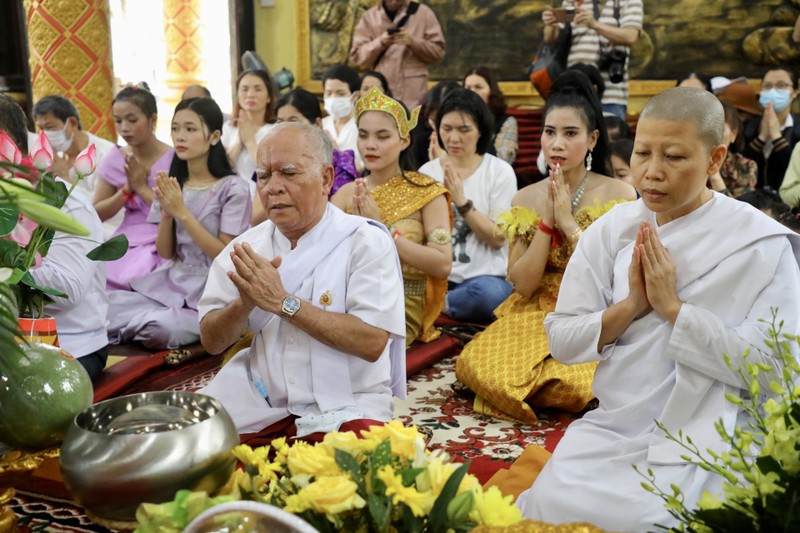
{"x": 589, "y": 161}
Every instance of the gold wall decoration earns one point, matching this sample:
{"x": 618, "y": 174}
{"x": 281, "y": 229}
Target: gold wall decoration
{"x": 717, "y": 37}
{"x": 70, "y": 54}
{"x": 184, "y": 46}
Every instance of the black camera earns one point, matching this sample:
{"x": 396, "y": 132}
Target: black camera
{"x": 614, "y": 62}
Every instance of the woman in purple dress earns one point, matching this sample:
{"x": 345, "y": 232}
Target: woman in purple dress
{"x": 127, "y": 178}
{"x": 200, "y": 206}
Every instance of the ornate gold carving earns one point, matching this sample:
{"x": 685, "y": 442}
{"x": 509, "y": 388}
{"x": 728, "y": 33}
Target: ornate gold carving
{"x": 184, "y": 45}
{"x": 70, "y": 54}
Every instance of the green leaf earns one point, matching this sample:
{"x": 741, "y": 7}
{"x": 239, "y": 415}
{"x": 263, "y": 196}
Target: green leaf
{"x": 381, "y": 457}
{"x": 458, "y": 508}
{"x": 55, "y": 191}
{"x": 9, "y": 216}
{"x": 111, "y": 250}
{"x": 437, "y": 520}
{"x": 411, "y": 523}
{"x": 380, "y": 511}
{"x": 347, "y": 463}
{"x": 11, "y": 255}
{"x": 409, "y": 475}
{"x": 27, "y": 279}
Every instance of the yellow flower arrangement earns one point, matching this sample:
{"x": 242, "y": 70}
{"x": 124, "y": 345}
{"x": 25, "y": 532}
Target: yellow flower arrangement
{"x": 384, "y": 481}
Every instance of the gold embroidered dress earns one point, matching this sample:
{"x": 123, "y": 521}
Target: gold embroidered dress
{"x": 508, "y": 365}
{"x": 398, "y": 199}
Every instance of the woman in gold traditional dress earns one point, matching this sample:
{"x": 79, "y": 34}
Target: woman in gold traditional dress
{"x": 414, "y": 207}
{"x": 508, "y": 365}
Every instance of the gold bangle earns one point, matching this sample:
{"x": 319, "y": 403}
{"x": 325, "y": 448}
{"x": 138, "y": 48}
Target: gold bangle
{"x": 575, "y": 235}
{"x": 440, "y": 236}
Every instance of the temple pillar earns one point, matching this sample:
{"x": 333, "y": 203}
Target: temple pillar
{"x": 70, "y": 54}
{"x": 182, "y": 32}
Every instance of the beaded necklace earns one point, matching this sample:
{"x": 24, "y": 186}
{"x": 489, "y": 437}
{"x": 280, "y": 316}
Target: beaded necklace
{"x": 578, "y": 196}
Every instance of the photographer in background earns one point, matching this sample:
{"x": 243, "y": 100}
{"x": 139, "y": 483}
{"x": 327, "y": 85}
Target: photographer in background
{"x": 602, "y": 34}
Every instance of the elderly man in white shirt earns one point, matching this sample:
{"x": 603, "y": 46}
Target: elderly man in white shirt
{"x": 321, "y": 290}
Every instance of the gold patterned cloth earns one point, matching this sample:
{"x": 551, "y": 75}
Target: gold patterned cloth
{"x": 400, "y": 200}
{"x": 508, "y": 365}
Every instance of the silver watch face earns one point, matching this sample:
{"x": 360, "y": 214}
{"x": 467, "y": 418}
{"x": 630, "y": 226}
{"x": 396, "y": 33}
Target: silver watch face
{"x": 291, "y": 305}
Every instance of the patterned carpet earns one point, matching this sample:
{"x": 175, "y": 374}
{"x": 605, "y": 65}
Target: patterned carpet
{"x": 488, "y": 443}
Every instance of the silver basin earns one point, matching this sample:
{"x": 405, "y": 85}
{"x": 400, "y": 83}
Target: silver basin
{"x": 144, "y": 448}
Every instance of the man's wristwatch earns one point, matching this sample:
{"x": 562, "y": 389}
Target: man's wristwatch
{"x": 290, "y": 306}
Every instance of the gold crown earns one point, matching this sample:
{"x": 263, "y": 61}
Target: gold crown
{"x": 374, "y": 100}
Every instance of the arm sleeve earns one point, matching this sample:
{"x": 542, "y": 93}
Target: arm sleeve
{"x": 699, "y": 336}
{"x": 220, "y": 290}
{"x": 374, "y": 288}
{"x": 503, "y": 191}
{"x": 367, "y": 44}
{"x": 573, "y": 329}
{"x": 431, "y": 48}
{"x": 66, "y": 267}
{"x": 632, "y": 14}
{"x": 237, "y": 208}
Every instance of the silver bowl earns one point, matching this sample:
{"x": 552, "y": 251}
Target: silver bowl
{"x": 144, "y": 448}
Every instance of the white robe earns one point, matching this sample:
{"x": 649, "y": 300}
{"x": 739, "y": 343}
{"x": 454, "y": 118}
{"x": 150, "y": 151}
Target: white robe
{"x": 733, "y": 264}
{"x": 302, "y": 376}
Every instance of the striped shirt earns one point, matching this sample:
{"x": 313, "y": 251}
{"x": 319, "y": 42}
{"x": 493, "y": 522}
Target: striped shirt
{"x": 586, "y": 43}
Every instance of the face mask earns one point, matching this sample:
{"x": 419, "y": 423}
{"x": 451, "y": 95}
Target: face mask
{"x": 58, "y": 139}
{"x": 339, "y": 107}
{"x": 779, "y": 98}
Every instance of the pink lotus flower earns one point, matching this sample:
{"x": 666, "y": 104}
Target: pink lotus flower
{"x": 8, "y": 149}
{"x": 22, "y": 233}
{"x": 42, "y": 152}
{"x": 84, "y": 163}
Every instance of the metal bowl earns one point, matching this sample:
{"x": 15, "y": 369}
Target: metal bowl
{"x": 144, "y": 448}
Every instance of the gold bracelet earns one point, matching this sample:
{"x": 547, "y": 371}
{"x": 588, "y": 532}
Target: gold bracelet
{"x": 575, "y": 235}
{"x": 440, "y": 236}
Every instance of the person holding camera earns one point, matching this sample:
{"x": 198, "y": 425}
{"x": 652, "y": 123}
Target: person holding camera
{"x": 602, "y": 34}
{"x": 400, "y": 39}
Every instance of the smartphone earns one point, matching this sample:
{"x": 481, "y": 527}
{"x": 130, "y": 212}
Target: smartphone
{"x": 564, "y": 14}
{"x": 392, "y": 31}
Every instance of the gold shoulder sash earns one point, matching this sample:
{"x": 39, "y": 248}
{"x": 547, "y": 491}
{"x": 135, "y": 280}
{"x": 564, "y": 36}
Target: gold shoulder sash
{"x": 405, "y": 194}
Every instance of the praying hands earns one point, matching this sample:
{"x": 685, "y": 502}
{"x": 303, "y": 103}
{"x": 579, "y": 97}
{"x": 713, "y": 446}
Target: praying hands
{"x": 257, "y": 279}
{"x": 363, "y": 202}
{"x": 652, "y": 276}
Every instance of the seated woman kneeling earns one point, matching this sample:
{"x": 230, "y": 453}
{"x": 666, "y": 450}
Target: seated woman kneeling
{"x": 199, "y": 208}
{"x": 415, "y": 208}
{"x": 481, "y": 186}
{"x": 509, "y": 365}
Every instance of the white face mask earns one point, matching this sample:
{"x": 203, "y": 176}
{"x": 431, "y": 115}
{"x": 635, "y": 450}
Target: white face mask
{"x": 58, "y": 139}
{"x": 339, "y": 107}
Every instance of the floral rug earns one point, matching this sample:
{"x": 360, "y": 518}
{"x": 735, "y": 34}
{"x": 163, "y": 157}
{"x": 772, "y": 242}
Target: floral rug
{"x": 489, "y": 444}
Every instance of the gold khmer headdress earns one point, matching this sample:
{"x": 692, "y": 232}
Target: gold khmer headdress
{"x": 374, "y": 100}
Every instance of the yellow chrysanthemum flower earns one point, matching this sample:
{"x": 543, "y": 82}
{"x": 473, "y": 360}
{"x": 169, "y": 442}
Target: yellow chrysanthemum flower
{"x": 402, "y": 438}
{"x": 420, "y": 503}
{"x": 304, "y": 458}
{"x": 436, "y": 474}
{"x": 347, "y": 441}
{"x": 330, "y": 495}
{"x": 493, "y": 509}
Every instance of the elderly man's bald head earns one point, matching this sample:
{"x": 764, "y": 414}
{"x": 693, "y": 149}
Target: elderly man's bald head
{"x": 689, "y": 104}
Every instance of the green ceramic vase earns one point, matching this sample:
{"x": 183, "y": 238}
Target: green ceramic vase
{"x": 41, "y": 391}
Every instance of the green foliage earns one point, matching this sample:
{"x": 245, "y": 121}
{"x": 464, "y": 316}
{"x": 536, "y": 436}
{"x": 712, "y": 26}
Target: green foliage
{"x": 761, "y": 485}
{"x": 111, "y": 250}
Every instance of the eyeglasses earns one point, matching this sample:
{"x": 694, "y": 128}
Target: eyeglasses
{"x": 781, "y": 86}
